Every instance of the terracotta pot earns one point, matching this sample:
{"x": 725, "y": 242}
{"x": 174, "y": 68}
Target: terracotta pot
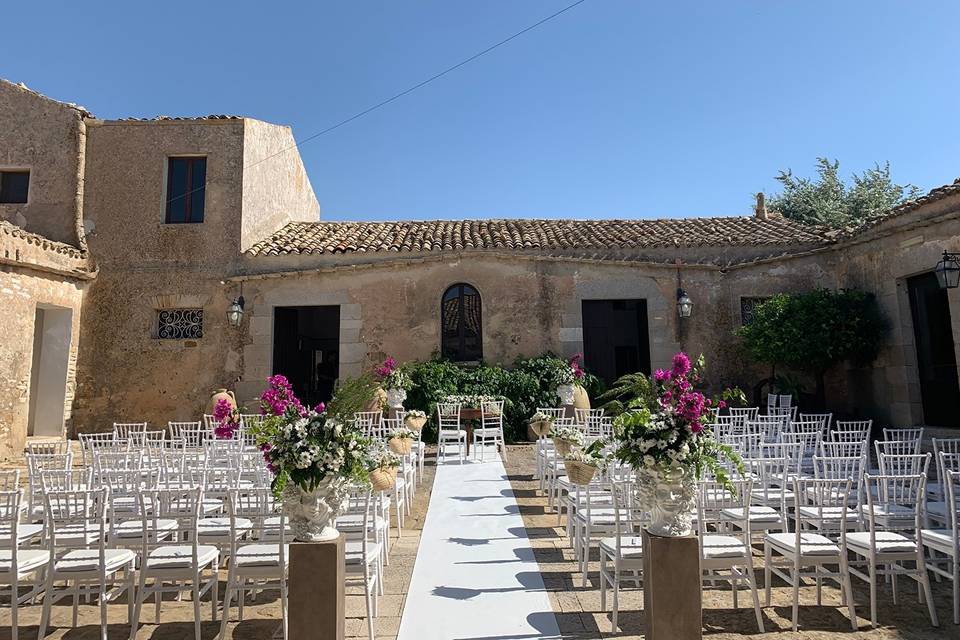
{"x": 383, "y": 479}
{"x": 400, "y": 446}
{"x": 222, "y": 394}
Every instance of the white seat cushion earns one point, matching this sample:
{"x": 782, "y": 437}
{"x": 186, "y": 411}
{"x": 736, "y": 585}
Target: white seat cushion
{"x": 888, "y": 512}
{"x": 487, "y": 432}
{"x": 937, "y": 508}
{"x": 631, "y": 547}
{"x": 811, "y": 544}
{"x": 80, "y": 560}
{"x": 772, "y": 494}
{"x": 354, "y": 552}
{"x": 27, "y": 560}
{"x": 259, "y": 555}
{"x": 716, "y": 546}
{"x": 756, "y": 514}
{"x": 180, "y": 556}
{"x": 220, "y": 527}
{"x": 134, "y": 528}
{"x": 24, "y": 532}
{"x": 450, "y": 434}
{"x": 887, "y": 542}
{"x": 939, "y": 538}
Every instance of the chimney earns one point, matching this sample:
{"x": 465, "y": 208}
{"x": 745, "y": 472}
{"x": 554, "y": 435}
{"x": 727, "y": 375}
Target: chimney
{"x": 761, "y": 210}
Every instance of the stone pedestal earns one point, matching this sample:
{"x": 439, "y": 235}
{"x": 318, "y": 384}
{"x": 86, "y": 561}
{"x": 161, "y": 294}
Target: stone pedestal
{"x": 315, "y": 599}
{"x": 671, "y": 588}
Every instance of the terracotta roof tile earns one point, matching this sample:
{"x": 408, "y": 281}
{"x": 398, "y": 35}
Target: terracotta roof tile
{"x": 578, "y": 236}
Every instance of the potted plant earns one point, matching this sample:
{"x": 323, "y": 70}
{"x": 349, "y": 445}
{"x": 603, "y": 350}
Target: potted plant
{"x": 395, "y": 381}
{"x": 662, "y": 435}
{"x": 568, "y": 375}
{"x": 415, "y": 419}
{"x": 541, "y": 423}
{"x": 401, "y": 440}
{"x": 582, "y": 465}
{"x": 313, "y": 455}
{"x": 383, "y": 468}
{"x": 566, "y": 438}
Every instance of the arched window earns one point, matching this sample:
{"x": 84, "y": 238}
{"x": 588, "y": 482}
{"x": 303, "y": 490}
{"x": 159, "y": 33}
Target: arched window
{"x": 461, "y": 338}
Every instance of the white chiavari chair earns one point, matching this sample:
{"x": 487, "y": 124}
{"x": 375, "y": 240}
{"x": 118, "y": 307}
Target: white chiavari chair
{"x": 128, "y": 430}
{"x": 791, "y": 556}
{"x": 18, "y": 566}
{"x": 449, "y": 431}
{"x": 363, "y": 554}
{"x": 808, "y": 437}
{"x": 47, "y": 447}
{"x": 183, "y": 565}
{"x": 905, "y": 434}
{"x": 935, "y": 490}
{"x": 825, "y": 420}
{"x": 37, "y": 463}
{"x": 209, "y": 422}
{"x": 743, "y": 414}
{"x": 367, "y": 421}
{"x": 892, "y": 545}
{"x": 726, "y": 554}
{"x": 90, "y": 568}
{"x": 903, "y": 464}
{"x": 860, "y": 430}
{"x": 623, "y": 551}
{"x": 944, "y": 543}
{"x": 490, "y": 430}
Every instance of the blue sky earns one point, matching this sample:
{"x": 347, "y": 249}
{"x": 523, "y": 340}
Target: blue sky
{"x": 616, "y": 109}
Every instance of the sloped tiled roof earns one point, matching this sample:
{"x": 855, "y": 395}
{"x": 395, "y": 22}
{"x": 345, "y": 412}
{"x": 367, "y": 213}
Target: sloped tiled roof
{"x": 535, "y": 235}
{"x": 935, "y": 194}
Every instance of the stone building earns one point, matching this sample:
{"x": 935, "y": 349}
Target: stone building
{"x": 152, "y": 228}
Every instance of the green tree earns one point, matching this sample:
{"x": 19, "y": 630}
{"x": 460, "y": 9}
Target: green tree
{"x": 815, "y": 331}
{"x": 828, "y": 201}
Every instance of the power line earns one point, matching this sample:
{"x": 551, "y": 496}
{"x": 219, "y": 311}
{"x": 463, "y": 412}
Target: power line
{"x": 419, "y": 85}
{"x": 397, "y": 96}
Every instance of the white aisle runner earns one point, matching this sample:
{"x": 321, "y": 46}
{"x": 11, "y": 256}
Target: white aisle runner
{"x": 475, "y": 576}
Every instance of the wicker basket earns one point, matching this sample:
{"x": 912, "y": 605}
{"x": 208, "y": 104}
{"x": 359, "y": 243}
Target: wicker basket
{"x": 401, "y": 446}
{"x": 383, "y": 479}
{"x": 541, "y": 427}
{"x": 562, "y": 446}
{"x": 415, "y": 423}
{"x": 579, "y": 472}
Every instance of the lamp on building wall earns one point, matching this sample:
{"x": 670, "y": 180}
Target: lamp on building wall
{"x": 235, "y": 310}
{"x": 948, "y": 271}
{"x": 684, "y": 304}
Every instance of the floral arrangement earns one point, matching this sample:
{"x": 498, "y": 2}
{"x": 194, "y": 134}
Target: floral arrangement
{"x": 393, "y": 376}
{"x": 415, "y": 413}
{"x": 540, "y": 416}
{"x": 472, "y": 401}
{"x": 571, "y": 372}
{"x": 228, "y": 420}
{"x": 567, "y": 433}
{"x": 403, "y": 433}
{"x": 665, "y": 428}
{"x": 591, "y": 456}
{"x": 307, "y": 446}
{"x": 382, "y": 458}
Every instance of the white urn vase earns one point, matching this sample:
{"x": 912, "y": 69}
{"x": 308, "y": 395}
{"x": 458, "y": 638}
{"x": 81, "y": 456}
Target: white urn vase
{"x": 565, "y": 391}
{"x": 395, "y": 398}
{"x": 312, "y": 512}
{"x": 670, "y": 495}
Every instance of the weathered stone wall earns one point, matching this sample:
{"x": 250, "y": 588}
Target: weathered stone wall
{"x": 880, "y": 260}
{"x": 34, "y": 272}
{"x": 126, "y": 372}
{"x": 46, "y": 137}
{"x": 276, "y": 188}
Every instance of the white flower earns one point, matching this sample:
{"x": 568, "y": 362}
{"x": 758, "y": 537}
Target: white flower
{"x": 648, "y": 461}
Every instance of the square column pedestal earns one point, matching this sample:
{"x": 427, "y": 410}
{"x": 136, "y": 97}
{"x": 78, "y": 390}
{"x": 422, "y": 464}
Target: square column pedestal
{"x": 672, "y": 602}
{"x": 315, "y": 599}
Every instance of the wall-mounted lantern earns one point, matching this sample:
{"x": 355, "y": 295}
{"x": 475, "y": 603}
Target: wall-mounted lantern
{"x": 235, "y": 310}
{"x": 684, "y": 304}
{"x": 948, "y": 271}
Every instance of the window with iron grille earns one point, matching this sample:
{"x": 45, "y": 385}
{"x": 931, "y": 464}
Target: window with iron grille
{"x": 747, "y": 306}
{"x": 179, "y": 324}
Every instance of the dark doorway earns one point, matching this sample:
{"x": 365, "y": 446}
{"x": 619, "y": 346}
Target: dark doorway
{"x": 615, "y": 338}
{"x": 936, "y": 358}
{"x": 306, "y": 349}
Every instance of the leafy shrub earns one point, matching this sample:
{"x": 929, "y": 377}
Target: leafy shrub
{"x": 529, "y": 384}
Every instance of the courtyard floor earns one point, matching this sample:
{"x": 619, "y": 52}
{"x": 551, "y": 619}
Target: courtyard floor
{"x": 436, "y": 594}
